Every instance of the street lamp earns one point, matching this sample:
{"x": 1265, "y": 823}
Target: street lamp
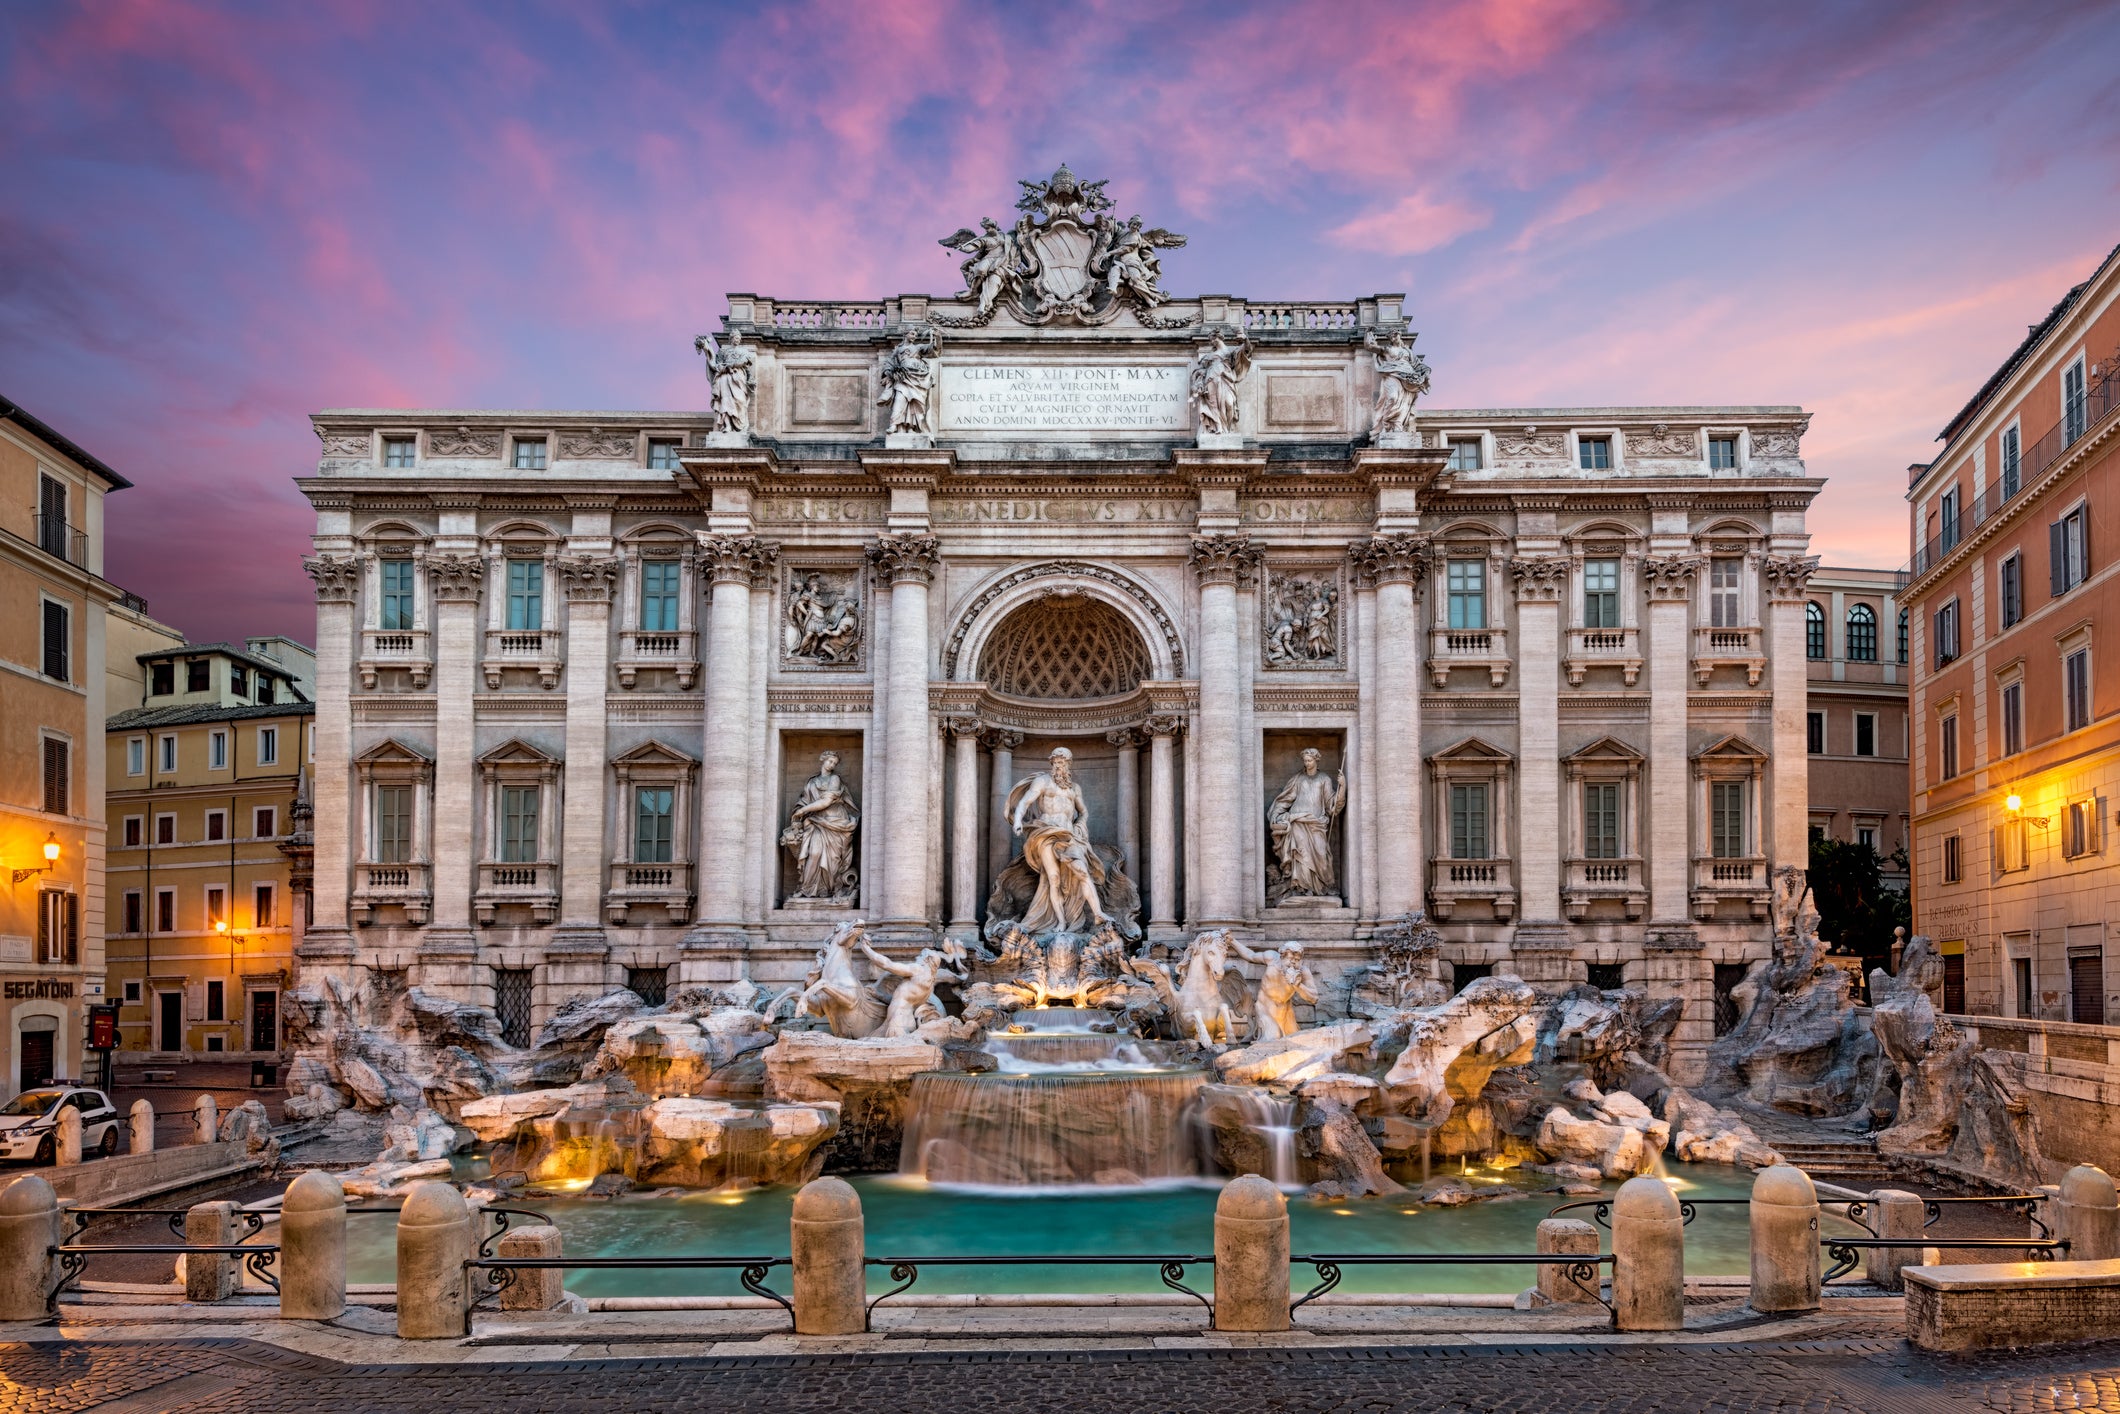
{"x": 51, "y": 858}
{"x": 2014, "y": 803}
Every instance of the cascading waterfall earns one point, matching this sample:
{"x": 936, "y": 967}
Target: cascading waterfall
{"x": 1272, "y": 1117}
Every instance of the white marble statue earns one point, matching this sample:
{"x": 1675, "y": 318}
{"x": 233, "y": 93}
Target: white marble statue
{"x": 1402, "y": 376}
{"x": 824, "y": 624}
{"x": 995, "y": 261}
{"x": 1047, "y": 810}
{"x": 1300, "y": 820}
{"x": 909, "y": 381}
{"x": 820, "y": 835}
{"x": 1192, "y": 992}
{"x": 1216, "y": 371}
{"x": 835, "y": 991}
{"x": 1124, "y": 258}
{"x": 733, "y": 367}
{"x": 913, "y": 1002}
{"x": 1286, "y": 981}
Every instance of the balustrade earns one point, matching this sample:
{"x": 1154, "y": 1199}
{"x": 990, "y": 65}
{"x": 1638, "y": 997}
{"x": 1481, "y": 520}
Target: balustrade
{"x": 1603, "y": 648}
{"x": 1742, "y": 880}
{"x": 1624, "y": 881}
{"x": 517, "y": 882}
{"x": 667, "y": 886}
{"x": 405, "y": 884}
{"x": 535, "y": 649}
{"x": 405, "y": 649}
{"x": 1729, "y": 647}
{"x": 1452, "y": 882}
{"x": 1486, "y": 648}
{"x": 675, "y": 651}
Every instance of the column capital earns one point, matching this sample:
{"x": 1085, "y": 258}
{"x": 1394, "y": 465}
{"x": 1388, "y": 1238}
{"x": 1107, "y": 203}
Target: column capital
{"x": 1002, "y": 739}
{"x": 1788, "y": 576}
{"x": 1670, "y": 577}
{"x": 737, "y": 559}
{"x": 1123, "y": 738}
{"x": 456, "y": 577}
{"x": 1539, "y": 578}
{"x": 588, "y": 579}
{"x": 338, "y": 581}
{"x": 1163, "y": 724}
{"x": 1222, "y": 559}
{"x": 1401, "y": 557}
{"x": 905, "y": 558}
{"x": 961, "y": 727}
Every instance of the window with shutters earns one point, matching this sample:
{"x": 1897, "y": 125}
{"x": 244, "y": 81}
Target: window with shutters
{"x": 1953, "y": 863}
{"x": 264, "y": 909}
{"x": 2076, "y": 690}
{"x": 263, "y": 822}
{"x": 165, "y": 829}
{"x": 135, "y": 834}
{"x": 1601, "y": 593}
{"x": 1814, "y": 630}
{"x": 2073, "y": 408}
{"x": 2082, "y": 828}
{"x": 52, "y": 527}
{"x": 1862, "y": 634}
{"x": 216, "y": 999}
{"x": 1947, "y": 513}
{"x": 165, "y": 910}
{"x": 58, "y": 926}
{"x": 58, "y": 641}
{"x": 1601, "y": 819}
{"x": 135, "y": 916}
{"x": 2012, "y": 718}
{"x": 2013, "y": 846}
{"x": 397, "y": 606}
{"x": 1726, "y": 819}
{"x": 1946, "y": 627}
{"x": 2086, "y": 986}
{"x": 58, "y": 776}
{"x": 2069, "y": 550}
{"x": 1468, "y": 822}
{"x": 216, "y": 907}
{"x": 1902, "y": 636}
{"x": 2010, "y": 587}
{"x": 2012, "y": 462}
{"x": 1725, "y": 592}
{"x": 1947, "y": 746}
{"x": 1466, "y": 582}
{"x": 216, "y": 825}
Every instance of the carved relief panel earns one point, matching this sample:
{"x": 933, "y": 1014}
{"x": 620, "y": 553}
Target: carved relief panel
{"x": 1300, "y": 618}
{"x": 821, "y": 618}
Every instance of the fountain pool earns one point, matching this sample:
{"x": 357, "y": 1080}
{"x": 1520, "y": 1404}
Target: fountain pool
{"x": 910, "y": 1218}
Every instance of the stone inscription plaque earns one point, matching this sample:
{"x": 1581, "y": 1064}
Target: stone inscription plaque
{"x": 1074, "y": 398}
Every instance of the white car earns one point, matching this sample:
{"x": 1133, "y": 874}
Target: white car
{"x": 29, "y": 1123}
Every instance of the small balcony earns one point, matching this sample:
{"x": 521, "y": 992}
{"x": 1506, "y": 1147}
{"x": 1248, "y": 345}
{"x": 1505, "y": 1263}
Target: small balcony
{"x": 1720, "y": 881}
{"x": 403, "y": 885}
{"x": 60, "y": 540}
{"x": 1477, "y": 648}
{"x": 400, "y": 648}
{"x": 1593, "y": 881}
{"x": 536, "y": 650}
{"x": 648, "y": 886}
{"x": 1603, "y": 648}
{"x": 531, "y": 884}
{"x": 1452, "y": 882}
{"x": 1728, "y": 648}
{"x": 675, "y": 652}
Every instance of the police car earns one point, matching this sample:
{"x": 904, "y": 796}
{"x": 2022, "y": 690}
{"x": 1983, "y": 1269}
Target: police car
{"x": 29, "y": 1123}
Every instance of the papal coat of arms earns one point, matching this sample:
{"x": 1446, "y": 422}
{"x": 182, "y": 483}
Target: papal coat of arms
{"x": 1067, "y": 257}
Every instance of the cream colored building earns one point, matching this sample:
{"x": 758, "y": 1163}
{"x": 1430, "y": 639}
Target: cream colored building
{"x": 52, "y": 693}
{"x": 207, "y": 877}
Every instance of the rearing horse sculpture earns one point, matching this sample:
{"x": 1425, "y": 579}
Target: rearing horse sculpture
{"x": 1194, "y": 996}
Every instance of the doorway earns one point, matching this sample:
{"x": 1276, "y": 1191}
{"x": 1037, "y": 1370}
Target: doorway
{"x": 169, "y": 1021}
{"x": 37, "y": 1054}
{"x": 2086, "y": 986}
{"x": 264, "y": 1021}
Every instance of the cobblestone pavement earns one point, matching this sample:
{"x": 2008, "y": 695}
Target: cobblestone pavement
{"x": 1842, "y": 1377}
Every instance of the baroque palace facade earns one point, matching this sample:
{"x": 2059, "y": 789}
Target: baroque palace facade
{"x": 655, "y": 699}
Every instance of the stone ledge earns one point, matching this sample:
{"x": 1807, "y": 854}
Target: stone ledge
{"x": 2005, "y": 1304}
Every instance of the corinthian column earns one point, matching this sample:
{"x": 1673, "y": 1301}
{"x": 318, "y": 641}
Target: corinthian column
{"x": 964, "y": 829}
{"x": 456, "y": 592}
{"x": 1218, "y": 901}
{"x": 1129, "y": 743}
{"x": 1162, "y": 823}
{"x": 1396, "y": 564}
{"x": 1668, "y": 845}
{"x": 732, "y": 564}
{"x": 907, "y": 562}
{"x": 1000, "y": 841}
{"x": 588, "y": 581}
{"x": 332, "y": 816}
{"x": 1787, "y": 788}
{"x": 1540, "y": 583}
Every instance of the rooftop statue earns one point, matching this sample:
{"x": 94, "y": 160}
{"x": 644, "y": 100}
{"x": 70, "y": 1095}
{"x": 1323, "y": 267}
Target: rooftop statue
{"x": 1216, "y": 371}
{"x": 733, "y": 367}
{"x": 1402, "y": 377}
{"x": 909, "y": 382}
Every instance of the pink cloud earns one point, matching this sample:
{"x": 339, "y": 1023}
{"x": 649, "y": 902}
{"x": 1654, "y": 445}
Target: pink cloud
{"x": 1415, "y": 224}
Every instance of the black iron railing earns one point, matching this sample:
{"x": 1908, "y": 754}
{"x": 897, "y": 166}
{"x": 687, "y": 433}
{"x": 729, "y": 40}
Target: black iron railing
{"x": 497, "y": 1274}
{"x": 500, "y": 1228}
{"x": 906, "y": 1270}
{"x": 1578, "y": 1268}
{"x": 1602, "y": 1207}
{"x": 253, "y": 1219}
{"x": 1847, "y": 1251}
{"x": 258, "y": 1258}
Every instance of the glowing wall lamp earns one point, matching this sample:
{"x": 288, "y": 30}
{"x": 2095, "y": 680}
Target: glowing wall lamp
{"x": 2014, "y": 803}
{"x": 51, "y": 858}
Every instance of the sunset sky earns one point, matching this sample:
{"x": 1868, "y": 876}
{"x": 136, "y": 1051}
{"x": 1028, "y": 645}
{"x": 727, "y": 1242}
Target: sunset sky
{"x": 220, "y": 217}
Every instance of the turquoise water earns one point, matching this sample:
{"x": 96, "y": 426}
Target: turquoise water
{"x": 907, "y": 1218}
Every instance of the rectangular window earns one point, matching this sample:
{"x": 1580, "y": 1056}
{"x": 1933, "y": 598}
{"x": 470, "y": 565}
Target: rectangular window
{"x": 262, "y": 821}
{"x": 1725, "y": 597}
{"x": 166, "y": 751}
{"x": 2012, "y": 463}
{"x": 1468, "y": 822}
{"x": 529, "y": 454}
{"x": 526, "y": 594}
{"x": 58, "y": 641}
{"x": 1601, "y": 593}
{"x": 1601, "y": 820}
{"x": 238, "y": 680}
{"x": 216, "y": 907}
{"x": 58, "y": 926}
{"x": 1947, "y": 633}
{"x": 518, "y": 824}
{"x": 1948, "y": 511}
{"x": 1947, "y": 739}
{"x": 1726, "y": 819}
{"x": 1865, "y": 733}
{"x": 216, "y": 1000}
{"x": 651, "y": 825}
{"x": 165, "y": 910}
{"x": 198, "y": 675}
{"x": 132, "y": 993}
{"x": 58, "y": 777}
{"x": 51, "y": 517}
{"x": 1464, "y": 454}
{"x": 217, "y": 751}
{"x": 2012, "y": 587}
{"x": 1814, "y": 731}
{"x": 1466, "y": 581}
{"x": 397, "y": 594}
{"x": 1594, "y": 453}
{"x": 262, "y": 912}
{"x": 2012, "y": 718}
{"x": 393, "y": 824}
{"x": 134, "y": 914}
{"x": 2068, "y": 546}
{"x": 1722, "y": 453}
{"x": 2013, "y": 840}
{"x": 662, "y": 454}
{"x": 136, "y": 756}
{"x": 2076, "y": 689}
{"x": 658, "y": 596}
{"x": 399, "y": 451}
{"x": 165, "y": 829}
{"x": 134, "y": 833}
{"x": 268, "y": 746}
{"x": 264, "y": 693}
{"x": 216, "y": 825}
{"x": 1866, "y": 836}
{"x": 1953, "y": 864}
{"x": 162, "y": 679}
{"x": 2080, "y": 832}
{"x": 2073, "y": 417}
{"x": 2022, "y": 968}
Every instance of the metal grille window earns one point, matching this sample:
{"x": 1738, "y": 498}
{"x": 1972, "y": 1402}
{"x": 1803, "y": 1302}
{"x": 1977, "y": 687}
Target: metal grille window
{"x": 1726, "y": 819}
{"x": 2012, "y": 718}
{"x": 393, "y": 824}
{"x": 658, "y": 596}
{"x": 1601, "y": 593}
{"x": 1725, "y": 597}
{"x": 1953, "y": 862}
{"x": 1601, "y": 820}
{"x": 512, "y": 987}
{"x": 1865, "y": 733}
{"x": 397, "y": 594}
{"x": 519, "y": 824}
{"x": 1466, "y": 581}
{"x": 1947, "y": 744}
{"x": 526, "y": 594}
{"x": 2073, "y": 420}
{"x": 1464, "y": 454}
{"x": 1727, "y": 976}
{"x": 1594, "y": 453}
{"x": 662, "y": 454}
{"x": 651, "y": 825}
{"x": 2012, "y": 463}
{"x": 1862, "y": 634}
{"x": 2011, "y": 584}
{"x": 1722, "y": 453}
{"x": 399, "y": 451}
{"x": 529, "y": 454}
{"x": 2076, "y": 689}
{"x": 650, "y": 984}
{"x": 1468, "y": 822}
{"x": 1902, "y": 635}
{"x": 58, "y": 777}
{"x": 58, "y": 641}
{"x": 58, "y": 926}
{"x": 1814, "y": 630}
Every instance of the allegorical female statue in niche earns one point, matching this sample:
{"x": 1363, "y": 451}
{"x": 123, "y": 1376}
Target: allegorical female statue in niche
{"x": 820, "y": 835}
{"x": 1300, "y": 820}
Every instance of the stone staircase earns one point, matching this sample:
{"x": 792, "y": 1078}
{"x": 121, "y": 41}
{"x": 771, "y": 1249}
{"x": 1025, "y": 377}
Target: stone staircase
{"x": 1852, "y": 1159}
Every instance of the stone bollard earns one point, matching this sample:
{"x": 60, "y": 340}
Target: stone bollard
{"x": 1569, "y": 1237}
{"x": 29, "y": 1229}
{"x": 67, "y": 1146}
{"x": 1785, "y": 1259}
{"x": 313, "y": 1249}
{"x": 534, "y": 1288}
{"x": 209, "y": 1277}
{"x": 433, "y": 1243}
{"x": 142, "y": 1138}
{"x": 1900, "y": 1217}
{"x": 208, "y": 1117}
{"x": 1251, "y": 1256}
{"x": 1648, "y": 1258}
{"x": 826, "y": 1237}
{"x": 2090, "y": 1215}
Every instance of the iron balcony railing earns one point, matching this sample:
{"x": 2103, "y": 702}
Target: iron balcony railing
{"x": 2077, "y": 422}
{"x": 60, "y": 540}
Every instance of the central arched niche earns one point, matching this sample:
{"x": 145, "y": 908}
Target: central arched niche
{"x": 1064, "y": 646}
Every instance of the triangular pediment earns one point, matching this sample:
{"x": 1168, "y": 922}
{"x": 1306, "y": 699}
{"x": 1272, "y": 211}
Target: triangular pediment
{"x": 1606, "y": 748}
{"x": 1472, "y": 749}
{"x": 393, "y": 750}
{"x": 1730, "y": 748}
{"x": 517, "y": 752}
{"x": 654, "y": 753}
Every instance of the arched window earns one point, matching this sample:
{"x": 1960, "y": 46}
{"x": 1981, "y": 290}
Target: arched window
{"x": 1862, "y": 634}
{"x": 1902, "y": 635}
{"x": 1814, "y": 630}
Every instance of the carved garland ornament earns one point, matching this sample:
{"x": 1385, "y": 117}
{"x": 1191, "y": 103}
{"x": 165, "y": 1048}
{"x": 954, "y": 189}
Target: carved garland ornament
{"x": 1064, "y": 570}
{"x": 344, "y": 444}
{"x": 464, "y": 442}
{"x": 597, "y": 444}
{"x": 1664, "y": 441}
